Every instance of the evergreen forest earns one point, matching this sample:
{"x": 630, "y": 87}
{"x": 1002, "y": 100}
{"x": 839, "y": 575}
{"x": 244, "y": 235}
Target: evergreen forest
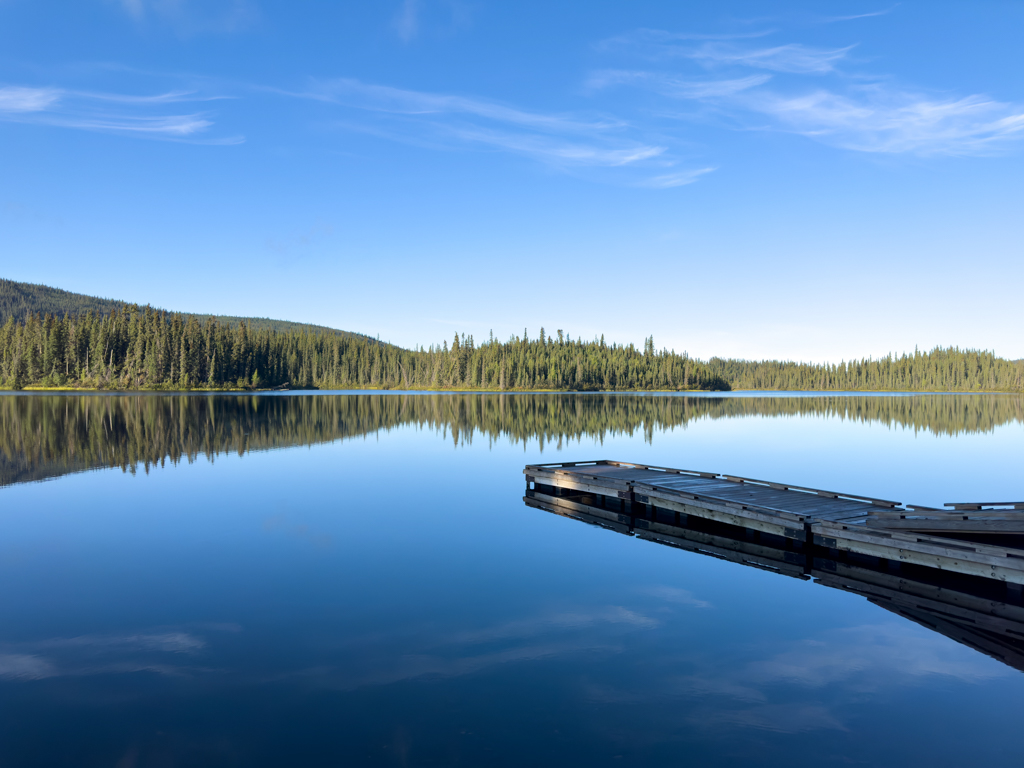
{"x": 142, "y": 348}
{"x": 127, "y": 347}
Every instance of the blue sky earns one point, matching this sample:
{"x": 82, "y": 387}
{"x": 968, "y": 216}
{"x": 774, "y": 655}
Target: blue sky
{"x": 813, "y": 181}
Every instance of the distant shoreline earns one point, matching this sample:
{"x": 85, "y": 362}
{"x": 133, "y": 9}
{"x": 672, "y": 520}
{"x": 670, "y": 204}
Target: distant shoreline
{"x": 474, "y": 390}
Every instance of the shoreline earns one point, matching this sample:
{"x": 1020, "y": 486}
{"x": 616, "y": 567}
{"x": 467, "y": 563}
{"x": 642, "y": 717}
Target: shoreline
{"x": 472, "y": 390}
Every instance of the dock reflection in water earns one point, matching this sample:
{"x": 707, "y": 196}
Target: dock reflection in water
{"x": 984, "y": 614}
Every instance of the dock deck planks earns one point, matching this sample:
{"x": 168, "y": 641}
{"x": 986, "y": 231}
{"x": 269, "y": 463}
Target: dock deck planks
{"x": 832, "y": 520}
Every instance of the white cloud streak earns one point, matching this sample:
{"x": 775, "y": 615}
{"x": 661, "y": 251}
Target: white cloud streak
{"x": 851, "y": 113}
{"x": 451, "y": 121}
{"x": 679, "y": 179}
{"x": 879, "y": 119}
{"x": 676, "y": 86}
{"x": 792, "y": 58}
{"x": 659, "y": 42}
{"x": 384, "y": 98}
{"x": 407, "y": 20}
{"x": 195, "y": 16}
{"x": 854, "y": 17}
{"x": 25, "y": 666}
{"x": 19, "y": 99}
{"x": 108, "y": 112}
{"x": 725, "y": 50}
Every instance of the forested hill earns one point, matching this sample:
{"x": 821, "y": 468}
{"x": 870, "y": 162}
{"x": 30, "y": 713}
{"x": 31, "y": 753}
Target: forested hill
{"x": 941, "y": 370}
{"x": 52, "y": 338}
{"x": 18, "y": 299}
{"x": 142, "y": 348}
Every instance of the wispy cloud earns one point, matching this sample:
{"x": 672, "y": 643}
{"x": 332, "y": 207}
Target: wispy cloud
{"x": 676, "y": 596}
{"x": 854, "y": 17}
{"x": 727, "y": 50}
{"x": 876, "y": 654}
{"x": 881, "y": 119}
{"x": 25, "y": 666}
{"x": 792, "y": 58}
{"x": 669, "y": 180}
{"x": 555, "y": 622}
{"x": 658, "y": 42}
{"x": 674, "y": 85}
{"x": 109, "y": 112}
{"x": 174, "y": 641}
{"x": 847, "y": 110}
{"x": 14, "y": 99}
{"x": 454, "y": 121}
{"x": 384, "y": 98}
{"x": 407, "y": 20}
{"x": 195, "y": 16}
{"x": 102, "y": 654}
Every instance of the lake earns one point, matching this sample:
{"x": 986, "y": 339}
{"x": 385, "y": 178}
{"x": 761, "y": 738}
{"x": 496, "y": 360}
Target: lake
{"x": 322, "y": 579}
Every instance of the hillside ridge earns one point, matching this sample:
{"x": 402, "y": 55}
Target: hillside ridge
{"x": 17, "y": 299}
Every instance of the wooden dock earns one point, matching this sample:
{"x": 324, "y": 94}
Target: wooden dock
{"x": 984, "y": 540}
{"x": 983, "y": 613}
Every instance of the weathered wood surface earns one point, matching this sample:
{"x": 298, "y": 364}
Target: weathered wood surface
{"x": 958, "y": 525}
{"x": 984, "y": 504}
{"x": 848, "y": 522}
{"x": 723, "y": 493}
{"x": 991, "y": 521}
{"x": 969, "y": 557}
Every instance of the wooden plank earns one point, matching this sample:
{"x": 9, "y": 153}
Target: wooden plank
{"x": 703, "y": 499}
{"x": 950, "y": 526}
{"x": 833, "y": 494}
{"x": 617, "y": 492}
{"x": 802, "y": 504}
{"x": 560, "y": 464}
{"x": 606, "y": 487}
{"x": 980, "y": 504}
{"x": 902, "y": 539}
{"x": 923, "y": 553}
{"x": 706, "y": 485}
{"x": 609, "y": 463}
{"x": 985, "y": 514}
{"x": 791, "y": 501}
{"x": 855, "y": 523}
{"x": 775, "y": 524}
{"x": 672, "y": 470}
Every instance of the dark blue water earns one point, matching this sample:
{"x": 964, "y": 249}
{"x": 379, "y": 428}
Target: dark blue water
{"x": 373, "y": 590}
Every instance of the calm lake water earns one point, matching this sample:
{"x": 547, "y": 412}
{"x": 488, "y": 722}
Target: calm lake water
{"x": 354, "y": 579}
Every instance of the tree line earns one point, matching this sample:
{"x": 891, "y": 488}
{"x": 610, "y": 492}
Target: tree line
{"x": 941, "y": 370}
{"x": 140, "y": 348}
{"x": 44, "y": 436}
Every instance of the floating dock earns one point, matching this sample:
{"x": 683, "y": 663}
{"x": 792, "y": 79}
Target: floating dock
{"x": 984, "y": 540}
{"x": 983, "y": 613}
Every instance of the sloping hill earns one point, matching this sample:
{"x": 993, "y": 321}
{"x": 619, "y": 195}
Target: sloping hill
{"x": 16, "y": 299}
